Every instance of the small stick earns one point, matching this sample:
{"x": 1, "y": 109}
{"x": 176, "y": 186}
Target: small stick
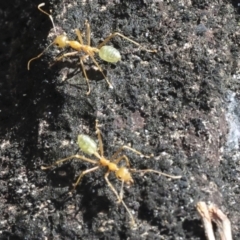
{"x": 213, "y": 213}
{"x": 206, "y": 218}
{"x": 222, "y": 222}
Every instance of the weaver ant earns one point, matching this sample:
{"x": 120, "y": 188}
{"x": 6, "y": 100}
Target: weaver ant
{"x": 106, "y": 53}
{"x": 123, "y": 173}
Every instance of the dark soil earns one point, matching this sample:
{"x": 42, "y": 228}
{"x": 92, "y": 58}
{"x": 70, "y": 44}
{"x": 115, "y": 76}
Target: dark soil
{"x": 170, "y": 103}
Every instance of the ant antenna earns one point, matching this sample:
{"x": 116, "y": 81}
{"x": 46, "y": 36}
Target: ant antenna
{"x": 50, "y": 16}
{"x": 38, "y": 56}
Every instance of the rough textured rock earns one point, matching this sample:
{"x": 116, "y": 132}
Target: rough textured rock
{"x": 171, "y": 103}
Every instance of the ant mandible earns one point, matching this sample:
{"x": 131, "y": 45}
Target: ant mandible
{"x": 123, "y": 173}
{"x": 106, "y": 53}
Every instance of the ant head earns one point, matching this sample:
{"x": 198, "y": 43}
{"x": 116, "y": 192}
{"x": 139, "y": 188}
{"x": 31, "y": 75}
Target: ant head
{"x": 61, "y": 41}
{"x": 124, "y": 175}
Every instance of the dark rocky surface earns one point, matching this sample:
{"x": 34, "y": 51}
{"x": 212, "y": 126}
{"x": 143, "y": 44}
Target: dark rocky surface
{"x": 171, "y": 103}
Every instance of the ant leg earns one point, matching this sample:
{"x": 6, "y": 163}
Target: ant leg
{"x": 154, "y": 171}
{"x": 82, "y": 174}
{"x": 81, "y": 62}
{"x": 88, "y": 33}
{"x": 79, "y": 35}
{"x": 131, "y": 149}
{"x": 119, "y": 198}
{"x": 100, "y": 143}
{"x": 100, "y": 69}
{"x": 111, "y": 186}
{"x": 68, "y": 158}
{"x": 116, "y": 161}
{"x": 121, "y": 191}
{"x": 64, "y": 55}
{"x": 85, "y": 74}
{"x": 121, "y": 35}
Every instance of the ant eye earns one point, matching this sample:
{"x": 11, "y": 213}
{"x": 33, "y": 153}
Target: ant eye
{"x": 119, "y": 178}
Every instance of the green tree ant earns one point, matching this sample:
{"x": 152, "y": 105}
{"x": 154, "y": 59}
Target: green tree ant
{"x": 106, "y": 53}
{"x": 123, "y": 173}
